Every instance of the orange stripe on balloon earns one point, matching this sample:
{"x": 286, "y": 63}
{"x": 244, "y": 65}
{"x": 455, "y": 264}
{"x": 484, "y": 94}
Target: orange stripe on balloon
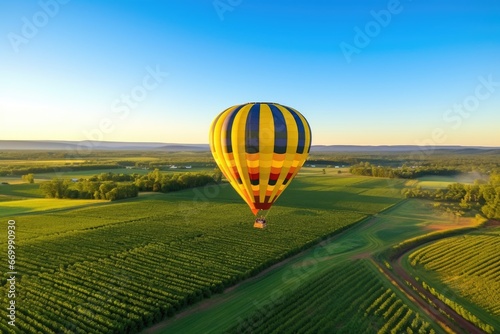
{"x": 253, "y": 156}
{"x": 279, "y": 157}
{"x": 253, "y": 170}
{"x": 275, "y": 170}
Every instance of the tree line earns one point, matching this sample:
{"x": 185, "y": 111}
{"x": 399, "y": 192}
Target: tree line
{"x": 481, "y": 196}
{"x": 405, "y": 172}
{"x": 112, "y": 186}
{"x": 166, "y": 182}
{"x": 85, "y": 189}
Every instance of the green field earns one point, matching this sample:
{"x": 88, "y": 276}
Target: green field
{"x": 127, "y": 264}
{"x": 348, "y": 298}
{"x": 467, "y": 269}
{"x": 331, "y": 260}
{"x": 435, "y": 182}
{"x": 24, "y": 190}
{"x": 13, "y": 208}
{"x": 123, "y": 266}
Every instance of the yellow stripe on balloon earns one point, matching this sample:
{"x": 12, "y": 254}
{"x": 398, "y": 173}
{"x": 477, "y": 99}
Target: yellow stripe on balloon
{"x": 238, "y": 136}
{"x": 266, "y": 147}
{"x": 225, "y": 160}
{"x": 291, "y": 149}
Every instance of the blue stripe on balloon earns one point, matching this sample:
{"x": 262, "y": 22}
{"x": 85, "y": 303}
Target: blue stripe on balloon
{"x": 301, "y": 130}
{"x": 229, "y": 127}
{"x": 280, "y": 134}
{"x": 252, "y": 129}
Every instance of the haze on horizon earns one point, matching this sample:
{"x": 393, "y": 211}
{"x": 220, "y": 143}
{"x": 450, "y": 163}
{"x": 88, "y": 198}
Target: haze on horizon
{"x": 365, "y": 73}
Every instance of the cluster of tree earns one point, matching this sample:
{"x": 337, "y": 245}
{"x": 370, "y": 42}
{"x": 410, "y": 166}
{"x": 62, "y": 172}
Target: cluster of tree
{"x": 30, "y": 178}
{"x": 482, "y": 196}
{"x": 406, "y": 172}
{"x": 85, "y": 189}
{"x": 166, "y": 182}
{"x": 111, "y": 186}
{"x": 114, "y": 177}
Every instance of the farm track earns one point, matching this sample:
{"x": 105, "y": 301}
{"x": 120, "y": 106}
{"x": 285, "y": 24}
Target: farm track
{"x": 400, "y": 275}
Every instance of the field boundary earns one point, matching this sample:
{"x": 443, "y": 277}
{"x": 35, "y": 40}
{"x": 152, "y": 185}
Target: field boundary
{"x": 429, "y": 303}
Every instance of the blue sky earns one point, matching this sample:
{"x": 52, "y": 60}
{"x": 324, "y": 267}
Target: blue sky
{"x": 362, "y": 72}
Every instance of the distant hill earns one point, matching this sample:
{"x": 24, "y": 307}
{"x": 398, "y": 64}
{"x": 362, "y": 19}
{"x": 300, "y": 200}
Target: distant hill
{"x": 402, "y": 148}
{"x": 96, "y": 145}
{"x": 174, "y": 147}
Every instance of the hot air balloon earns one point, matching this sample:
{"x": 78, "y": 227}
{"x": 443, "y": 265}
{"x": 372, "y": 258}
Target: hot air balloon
{"x": 260, "y": 147}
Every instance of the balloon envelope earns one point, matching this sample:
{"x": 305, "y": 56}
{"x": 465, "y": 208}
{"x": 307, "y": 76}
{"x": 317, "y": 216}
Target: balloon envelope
{"x": 260, "y": 147}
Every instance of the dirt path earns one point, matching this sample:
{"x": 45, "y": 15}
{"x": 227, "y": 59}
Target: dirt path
{"x": 398, "y": 277}
{"x": 434, "y": 314}
{"x": 458, "y": 324}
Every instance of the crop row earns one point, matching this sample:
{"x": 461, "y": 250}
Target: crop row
{"x": 120, "y": 277}
{"x": 468, "y": 264}
{"x": 464, "y": 313}
{"x": 350, "y": 297}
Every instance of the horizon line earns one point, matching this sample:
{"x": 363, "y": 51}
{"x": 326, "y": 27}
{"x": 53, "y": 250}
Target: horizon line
{"x": 194, "y": 144}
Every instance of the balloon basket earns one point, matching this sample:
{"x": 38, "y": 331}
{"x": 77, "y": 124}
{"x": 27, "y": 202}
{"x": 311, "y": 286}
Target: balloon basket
{"x": 260, "y": 223}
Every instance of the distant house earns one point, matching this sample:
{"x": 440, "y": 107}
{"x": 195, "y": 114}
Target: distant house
{"x": 74, "y": 180}
{"x": 188, "y": 167}
{"x": 129, "y": 167}
{"x": 337, "y": 166}
{"x": 173, "y": 167}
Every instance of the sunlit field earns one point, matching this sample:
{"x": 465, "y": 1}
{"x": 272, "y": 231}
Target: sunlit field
{"x": 189, "y": 261}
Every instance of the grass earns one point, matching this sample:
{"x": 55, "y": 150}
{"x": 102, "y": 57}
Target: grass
{"x": 120, "y": 266}
{"x": 436, "y": 182}
{"x": 335, "y": 302}
{"x": 178, "y": 247}
{"x": 342, "y": 193}
{"x": 407, "y": 219}
{"x": 24, "y": 190}
{"x": 14, "y": 208}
